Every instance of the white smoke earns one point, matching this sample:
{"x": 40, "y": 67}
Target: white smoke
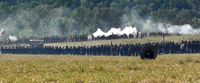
{"x": 159, "y": 27}
{"x": 184, "y": 29}
{"x": 13, "y": 38}
{"x": 99, "y": 32}
{"x": 116, "y": 31}
{"x": 151, "y": 25}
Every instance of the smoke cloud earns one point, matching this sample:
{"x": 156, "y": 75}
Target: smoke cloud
{"x": 116, "y": 31}
{"x": 43, "y": 20}
{"x": 13, "y": 38}
{"x": 148, "y": 24}
{"x": 184, "y": 29}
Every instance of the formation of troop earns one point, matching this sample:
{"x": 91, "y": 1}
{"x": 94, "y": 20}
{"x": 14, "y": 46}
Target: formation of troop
{"x": 137, "y": 35}
{"x": 106, "y": 50}
{"x": 80, "y": 38}
{"x": 47, "y": 39}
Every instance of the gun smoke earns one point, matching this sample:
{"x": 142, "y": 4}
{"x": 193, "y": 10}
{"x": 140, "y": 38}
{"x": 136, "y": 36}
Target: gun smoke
{"x": 183, "y": 30}
{"x": 13, "y": 38}
{"x": 116, "y": 31}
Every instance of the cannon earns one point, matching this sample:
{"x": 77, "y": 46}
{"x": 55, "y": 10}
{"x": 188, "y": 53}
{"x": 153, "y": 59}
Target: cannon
{"x": 148, "y": 52}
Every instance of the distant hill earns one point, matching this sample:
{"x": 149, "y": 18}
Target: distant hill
{"x": 50, "y": 17}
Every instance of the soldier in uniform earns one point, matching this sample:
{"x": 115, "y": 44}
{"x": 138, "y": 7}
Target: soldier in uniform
{"x": 87, "y": 50}
{"x": 103, "y": 52}
{"x": 74, "y": 50}
{"x": 125, "y": 47}
{"x": 121, "y": 51}
{"x": 177, "y": 48}
{"x": 9, "y": 50}
{"x": 129, "y": 50}
{"x": 83, "y": 50}
{"x": 193, "y": 46}
{"x": 167, "y": 48}
{"x": 137, "y": 49}
{"x": 109, "y": 50}
{"x": 90, "y": 50}
{"x": 130, "y": 36}
{"x": 133, "y": 50}
{"x": 70, "y": 50}
{"x": 60, "y": 50}
{"x": 188, "y": 47}
{"x": 114, "y": 50}
{"x": 77, "y": 50}
{"x": 99, "y": 50}
{"x": 12, "y": 50}
{"x": 182, "y": 45}
{"x": 94, "y": 51}
{"x": 66, "y": 50}
{"x": 196, "y": 47}
{"x": 172, "y": 47}
{"x": 6, "y": 50}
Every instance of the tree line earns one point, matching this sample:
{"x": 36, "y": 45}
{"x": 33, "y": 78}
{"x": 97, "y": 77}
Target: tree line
{"x": 51, "y": 17}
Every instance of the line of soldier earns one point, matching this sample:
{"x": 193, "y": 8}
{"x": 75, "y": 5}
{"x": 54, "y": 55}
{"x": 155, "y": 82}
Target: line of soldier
{"x": 112, "y": 37}
{"x": 137, "y": 35}
{"x": 114, "y": 50}
{"x": 48, "y": 39}
{"x": 80, "y": 38}
{"x": 161, "y": 34}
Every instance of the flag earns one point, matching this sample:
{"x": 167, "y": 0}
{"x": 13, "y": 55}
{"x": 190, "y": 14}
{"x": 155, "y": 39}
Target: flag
{"x": 168, "y": 26}
{"x": 2, "y": 31}
{"x": 111, "y": 43}
{"x": 63, "y": 32}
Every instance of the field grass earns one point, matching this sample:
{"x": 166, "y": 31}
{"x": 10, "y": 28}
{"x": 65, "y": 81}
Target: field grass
{"x": 99, "y": 69}
{"x": 128, "y": 41}
{"x": 102, "y": 69}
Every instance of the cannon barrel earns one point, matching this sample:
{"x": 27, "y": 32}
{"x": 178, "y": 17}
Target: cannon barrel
{"x": 148, "y": 52}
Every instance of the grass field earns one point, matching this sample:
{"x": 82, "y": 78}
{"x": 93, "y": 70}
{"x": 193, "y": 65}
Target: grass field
{"x": 102, "y": 69}
{"x": 99, "y": 69}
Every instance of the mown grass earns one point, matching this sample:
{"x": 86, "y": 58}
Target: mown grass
{"x": 99, "y": 69}
{"x": 128, "y": 41}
